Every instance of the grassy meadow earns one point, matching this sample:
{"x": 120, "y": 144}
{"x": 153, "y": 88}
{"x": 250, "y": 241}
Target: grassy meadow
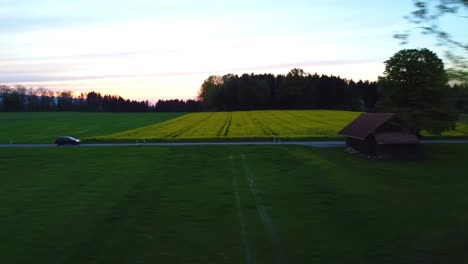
{"x": 289, "y": 124}
{"x": 231, "y": 204}
{"x": 209, "y": 126}
{"x": 255, "y": 125}
{"x": 44, "y": 127}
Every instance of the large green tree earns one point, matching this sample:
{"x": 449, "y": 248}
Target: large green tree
{"x": 209, "y": 91}
{"x": 415, "y": 87}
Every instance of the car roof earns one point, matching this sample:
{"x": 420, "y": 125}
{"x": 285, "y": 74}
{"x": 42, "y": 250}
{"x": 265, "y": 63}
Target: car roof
{"x": 63, "y": 137}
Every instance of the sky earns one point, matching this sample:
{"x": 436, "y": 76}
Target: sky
{"x": 162, "y": 49}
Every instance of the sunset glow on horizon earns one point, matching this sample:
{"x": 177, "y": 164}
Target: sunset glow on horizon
{"x": 154, "y": 50}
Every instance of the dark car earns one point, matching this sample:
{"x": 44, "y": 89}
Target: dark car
{"x": 60, "y": 141}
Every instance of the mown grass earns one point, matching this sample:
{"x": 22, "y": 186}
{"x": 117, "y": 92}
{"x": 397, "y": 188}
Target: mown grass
{"x": 139, "y": 205}
{"x": 307, "y": 124}
{"x": 44, "y": 127}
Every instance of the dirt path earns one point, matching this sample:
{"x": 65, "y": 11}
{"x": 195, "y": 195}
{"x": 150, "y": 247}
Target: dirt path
{"x": 240, "y": 214}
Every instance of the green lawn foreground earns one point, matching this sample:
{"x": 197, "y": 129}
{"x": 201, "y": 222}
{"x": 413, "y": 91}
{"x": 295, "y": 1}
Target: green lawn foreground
{"x": 44, "y": 127}
{"x": 139, "y": 205}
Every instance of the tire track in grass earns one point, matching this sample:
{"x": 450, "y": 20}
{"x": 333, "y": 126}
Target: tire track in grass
{"x": 226, "y": 132}
{"x": 187, "y": 128}
{"x": 278, "y": 252}
{"x": 225, "y": 128}
{"x": 264, "y": 128}
{"x": 240, "y": 214}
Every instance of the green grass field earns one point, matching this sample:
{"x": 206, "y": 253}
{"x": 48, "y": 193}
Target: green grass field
{"x": 220, "y": 126}
{"x": 461, "y": 130}
{"x": 253, "y": 125}
{"x": 243, "y": 125}
{"x": 302, "y": 205}
{"x": 44, "y": 127}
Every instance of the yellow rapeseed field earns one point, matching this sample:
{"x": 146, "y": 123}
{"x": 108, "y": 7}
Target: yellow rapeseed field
{"x": 243, "y": 125}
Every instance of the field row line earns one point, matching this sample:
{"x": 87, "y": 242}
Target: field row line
{"x": 187, "y": 128}
{"x": 264, "y": 128}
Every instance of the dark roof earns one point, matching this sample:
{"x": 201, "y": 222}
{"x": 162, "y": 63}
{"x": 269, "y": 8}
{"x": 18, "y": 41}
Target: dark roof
{"x": 396, "y": 138}
{"x": 365, "y": 124}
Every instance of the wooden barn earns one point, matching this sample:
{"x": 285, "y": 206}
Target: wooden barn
{"x": 381, "y": 135}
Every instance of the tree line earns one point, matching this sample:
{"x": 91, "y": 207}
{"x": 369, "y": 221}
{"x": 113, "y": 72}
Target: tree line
{"x": 458, "y": 97}
{"x": 302, "y": 90}
{"x": 22, "y": 99}
{"x": 296, "y": 90}
{"x": 177, "y": 105}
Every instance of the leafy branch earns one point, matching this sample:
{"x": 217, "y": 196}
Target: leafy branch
{"x": 426, "y": 18}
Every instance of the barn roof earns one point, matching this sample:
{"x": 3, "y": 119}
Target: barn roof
{"x": 384, "y": 138}
{"x": 365, "y": 124}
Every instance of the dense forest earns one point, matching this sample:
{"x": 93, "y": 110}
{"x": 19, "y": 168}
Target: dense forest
{"x": 301, "y": 90}
{"x": 296, "y": 90}
{"x": 22, "y": 99}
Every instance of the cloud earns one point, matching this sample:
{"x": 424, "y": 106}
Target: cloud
{"x": 175, "y": 45}
{"x": 18, "y": 60}
{"x": 15, "y": 77}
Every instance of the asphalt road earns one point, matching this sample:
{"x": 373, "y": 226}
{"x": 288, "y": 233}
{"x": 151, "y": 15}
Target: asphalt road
{"x": 312, "y": 144}
{"x": 317, "y": 144}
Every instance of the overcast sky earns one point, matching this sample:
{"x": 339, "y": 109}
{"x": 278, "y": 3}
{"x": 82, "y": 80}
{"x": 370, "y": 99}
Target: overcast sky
{"x": 151, "y": 49}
